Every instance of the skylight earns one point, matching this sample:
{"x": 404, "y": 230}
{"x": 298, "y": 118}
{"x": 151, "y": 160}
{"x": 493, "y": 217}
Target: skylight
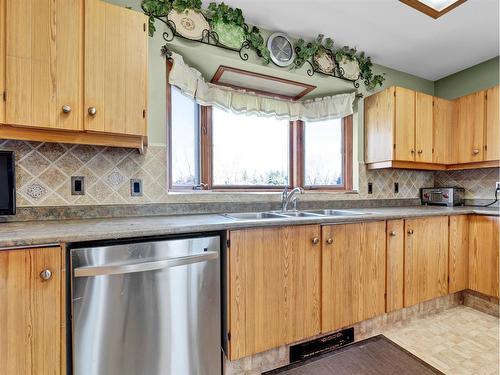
{"x": 439, "y": 5}
{"x": 434, "y": 8}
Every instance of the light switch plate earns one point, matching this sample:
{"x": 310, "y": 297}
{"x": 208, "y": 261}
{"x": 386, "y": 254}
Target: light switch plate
{"x": 77, "y": 185}
{"x": 136, "y": 187}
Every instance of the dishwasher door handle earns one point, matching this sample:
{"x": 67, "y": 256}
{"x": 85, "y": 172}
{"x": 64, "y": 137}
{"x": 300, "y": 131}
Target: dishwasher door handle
{"x": 121, "y": 269}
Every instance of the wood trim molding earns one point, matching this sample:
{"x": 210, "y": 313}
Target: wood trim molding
{"x": 479, "y": 164}
{"x": 222, "y": 69}
{"x": 431, "y": 12}
{"x": 72, "y": 137}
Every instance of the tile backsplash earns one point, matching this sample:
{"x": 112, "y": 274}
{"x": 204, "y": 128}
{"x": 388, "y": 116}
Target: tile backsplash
{"x": 44, "y": 173}
{"x": 478, "y": 183}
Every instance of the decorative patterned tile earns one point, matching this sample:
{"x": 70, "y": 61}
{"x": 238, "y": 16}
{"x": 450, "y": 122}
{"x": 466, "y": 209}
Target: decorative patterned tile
{"x": 34, "y": 163}
{"x": 52, "y": 151}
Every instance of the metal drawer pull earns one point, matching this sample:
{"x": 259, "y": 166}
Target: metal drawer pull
{"x": 420, "y": 151}
{"x": 92, "y": 111}
{"x": 475, "y": 151}
{"x": 66, "y": 108}
{"x": 329, "y": 241}
{"x": 410, "y": 231}
{"x": 46, "y": 274}
{"x": 315, "y": 240}
{"x": 144, "y": 266}
{"x": 393, "y": 233}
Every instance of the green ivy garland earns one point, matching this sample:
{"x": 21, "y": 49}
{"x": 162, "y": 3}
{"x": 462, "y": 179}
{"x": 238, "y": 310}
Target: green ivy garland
{"x": 220, "y": 12}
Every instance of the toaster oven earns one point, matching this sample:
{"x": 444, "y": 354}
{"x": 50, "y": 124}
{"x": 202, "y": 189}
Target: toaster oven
{"x": 447, "y": 196}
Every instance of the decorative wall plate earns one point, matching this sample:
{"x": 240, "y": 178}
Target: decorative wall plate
{"x": 231, "y": 36}
{"x": 281, "y": 48}
{"x": 189, "y": 24}
{"x": 350, "y": 68}
{"x": 324, "y": 62}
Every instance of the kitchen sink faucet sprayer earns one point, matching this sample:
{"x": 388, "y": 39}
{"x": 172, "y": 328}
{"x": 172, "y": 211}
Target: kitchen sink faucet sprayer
{"x": 287, "y": 197}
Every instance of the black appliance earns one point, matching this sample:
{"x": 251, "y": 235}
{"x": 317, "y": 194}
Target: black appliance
{"x": 7, "y": 183}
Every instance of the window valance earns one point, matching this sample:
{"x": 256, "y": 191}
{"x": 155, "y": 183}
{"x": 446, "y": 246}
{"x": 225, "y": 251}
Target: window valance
{"x": 191, "y": 83}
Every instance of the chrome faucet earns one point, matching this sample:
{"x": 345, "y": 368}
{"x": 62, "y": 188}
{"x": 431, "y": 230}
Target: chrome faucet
{"x": 287, "y": 197}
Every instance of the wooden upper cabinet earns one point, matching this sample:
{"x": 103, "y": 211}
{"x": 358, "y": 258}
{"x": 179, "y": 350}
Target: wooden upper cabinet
{"x": 116, "y": 59}
{"x": 424, "y": 127}
{"x": 31, "y": 318}
{"x": 458, "y": 253}
{"x": 426, "y": 259}
{"x": 273, "y": 287}
{"x": 44, "y": 63}
{"x": 444, "y": 121}
{"x": 2, "y": 61}
{"x": 492, "y": 130}
{"x": 468, "y": 137}
{"x": 404, "y": 134}
{"x": 353, "y": 273}
{"x": 379, "y": 126}
{"x": 483, "y": 254}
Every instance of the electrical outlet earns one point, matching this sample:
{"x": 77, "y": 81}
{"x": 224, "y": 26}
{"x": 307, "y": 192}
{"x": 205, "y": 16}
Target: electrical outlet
{"x": 497, "y": 186}
{"x": 396, "y": 187}
{"x": 370, "y": 188}
{"x": 136, "y": 187}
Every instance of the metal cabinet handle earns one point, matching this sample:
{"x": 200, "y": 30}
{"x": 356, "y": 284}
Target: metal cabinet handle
{"x": 392, "y": 233}
{"x": 46, "y": 274}
{"x": 315, "y": 240}
{"x": 410, "y": 231}
{"x": 412, "y": 151}
{"x": 475, "y": 151}
{"x": 66, "y": 108}
{"x": 144, "y": 266}
{"x": 420, "y": 151}
{"x": 329, "y": 241}
{"x": 92, "y": 111}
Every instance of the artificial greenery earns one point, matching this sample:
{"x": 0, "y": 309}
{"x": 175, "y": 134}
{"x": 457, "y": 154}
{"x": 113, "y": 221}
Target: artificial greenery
{"x": 256, "y": 41}
{"x": 160, "y": 8}
{"x": 222, "y": 13}
{"x": 305, "y": 51}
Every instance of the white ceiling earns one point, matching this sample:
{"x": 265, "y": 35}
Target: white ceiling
{"x": 392, "y": 33}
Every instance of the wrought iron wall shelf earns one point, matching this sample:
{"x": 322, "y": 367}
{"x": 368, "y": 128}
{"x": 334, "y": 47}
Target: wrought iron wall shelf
{"x": 211, "y": 38}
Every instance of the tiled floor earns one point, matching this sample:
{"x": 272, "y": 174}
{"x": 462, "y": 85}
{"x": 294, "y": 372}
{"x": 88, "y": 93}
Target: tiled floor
{"x": 458, "y": 341}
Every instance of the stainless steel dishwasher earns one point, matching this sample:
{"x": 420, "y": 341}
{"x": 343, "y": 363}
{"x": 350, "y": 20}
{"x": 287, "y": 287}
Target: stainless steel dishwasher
{"x": 147, "y": 308}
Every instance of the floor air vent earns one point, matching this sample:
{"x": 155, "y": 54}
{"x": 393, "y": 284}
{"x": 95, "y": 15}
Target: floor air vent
{"x": 322, "y": 345}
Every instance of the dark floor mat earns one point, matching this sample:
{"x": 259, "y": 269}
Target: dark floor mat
{"x": 374, "y": 356}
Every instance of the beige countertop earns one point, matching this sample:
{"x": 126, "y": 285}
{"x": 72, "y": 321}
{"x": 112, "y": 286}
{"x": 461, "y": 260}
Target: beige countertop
{"x": 33, "y": 233}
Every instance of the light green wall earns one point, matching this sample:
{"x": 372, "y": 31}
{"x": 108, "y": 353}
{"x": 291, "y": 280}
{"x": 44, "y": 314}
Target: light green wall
{"x": 207, "y": 59}
{"x": 467, "y": 81}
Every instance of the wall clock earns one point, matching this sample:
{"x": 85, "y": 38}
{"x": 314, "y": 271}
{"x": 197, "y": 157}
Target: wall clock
{"x": 281, "y": 48}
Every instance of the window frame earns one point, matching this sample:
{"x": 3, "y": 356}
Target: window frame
{"x": 296, "y": 172}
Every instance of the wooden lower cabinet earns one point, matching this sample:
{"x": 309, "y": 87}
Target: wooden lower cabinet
{"x": 458, "y": 262}
{"x": 426, "y": 259}
{"x": 483, "y": 254}
{"x": 395, "y": 265}
{"x": 274, "y": 287}
{"x": 31, "y": 312}
{"x": 353, "y": 273}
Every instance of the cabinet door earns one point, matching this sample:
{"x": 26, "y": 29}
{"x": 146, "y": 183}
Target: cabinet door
{"x": 353, "y": 274}
{"x": 492, "y": 136}
{"x": 379, "y": 126}
{"x": 426, "y": 259}
{"x": 444, "y": 122}
{"x": 470, "y": 127}
{"x": 30, "y": 314}
{"x": 395, "y": 265}
{"x": 116, "y": 49}
{"x": 483, "y": 254}
{"x": 423, "y": 127}
{"x": 274, "y": 287}
{"x": 459, "y": 253}
{"x": 405, "y": 125}
{"x": 44, "y": 59}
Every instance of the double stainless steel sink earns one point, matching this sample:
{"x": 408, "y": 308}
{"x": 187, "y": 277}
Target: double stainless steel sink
{"x": 292, "y": 214}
